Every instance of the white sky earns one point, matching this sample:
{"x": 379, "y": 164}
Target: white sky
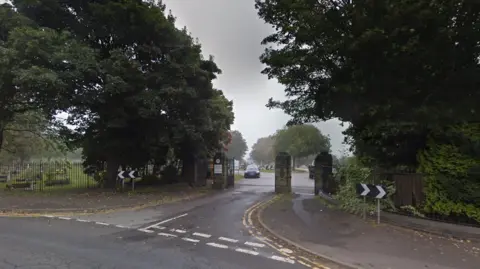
{"x": 231, "y": 31}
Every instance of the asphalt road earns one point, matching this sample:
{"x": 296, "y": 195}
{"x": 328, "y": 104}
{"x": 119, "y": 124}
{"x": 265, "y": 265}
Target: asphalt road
{"x": 204, "y": 233}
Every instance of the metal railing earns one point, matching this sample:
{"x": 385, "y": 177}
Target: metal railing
{"x": 45, "y": 176}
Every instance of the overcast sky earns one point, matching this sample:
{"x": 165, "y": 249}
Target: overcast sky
{"x": 231, "y": 31}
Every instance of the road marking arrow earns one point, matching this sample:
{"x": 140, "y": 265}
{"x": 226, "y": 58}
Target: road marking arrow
{"x": 365, "y": 191}
{"x": 381, "y": 192}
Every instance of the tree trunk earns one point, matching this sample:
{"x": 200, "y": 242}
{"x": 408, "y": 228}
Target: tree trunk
{"x": 112, "y": 172}
{"x": 188, "y": 170}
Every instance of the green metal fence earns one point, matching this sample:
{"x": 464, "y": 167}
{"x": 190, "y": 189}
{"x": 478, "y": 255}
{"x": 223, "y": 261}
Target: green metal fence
{"x": 45, "y": 176}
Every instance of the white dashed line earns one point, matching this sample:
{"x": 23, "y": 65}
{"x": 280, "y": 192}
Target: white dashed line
{"x": 217, "y": 245}
{"x": 191, "y": 240}
{"x": 258, "y": 245}
{"x": 145, "y": 231}
{"x": 228, "y": 239}
{"x": 178, "y": 231}
{"x": 49, "y": 216}
{"x": 202, "y": 235}
{"x": 167, "y": 234}
{"x": 82, "y": 220}
{"x": 158, "y": 227}
{"x": 65, "y": 218}
{"x": 121, "y": 226}
{"x": 102, "y": 223}
{"x": 282, "y": 259}
{"x": 247, "y": 251}
{"x": 167, "y": 220}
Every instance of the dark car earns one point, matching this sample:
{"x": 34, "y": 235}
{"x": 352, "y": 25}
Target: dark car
{"x": 252, "y": 171}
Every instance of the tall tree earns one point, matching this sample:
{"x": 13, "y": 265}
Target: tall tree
{"x": 301, "y": 141}
{"x": 238, "y": 146}
{"x": 152, "y": 94}
{"x": 263, "y": 151}
{"x": 390, "y": 68}
{"x": 39, "y": 68}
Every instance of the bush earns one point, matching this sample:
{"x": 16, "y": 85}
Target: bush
{"x": 451, "y": 188}
{"x": 352, "y": 174}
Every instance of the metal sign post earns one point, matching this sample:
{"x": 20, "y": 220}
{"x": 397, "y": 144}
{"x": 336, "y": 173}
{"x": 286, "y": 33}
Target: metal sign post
{"x": 374, "y": 191}
{"x": 127, "y": 174}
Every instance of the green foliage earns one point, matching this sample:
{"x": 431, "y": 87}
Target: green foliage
{"x": 301, "y": 141}
{"x": 352, "y": 174}
{"x": 451, "y": 185}
{"x": 263, "y": 150}
{"x": 386, "y": 68}
{"x": 238, "y": 146}
{"x": 39, "y": 70}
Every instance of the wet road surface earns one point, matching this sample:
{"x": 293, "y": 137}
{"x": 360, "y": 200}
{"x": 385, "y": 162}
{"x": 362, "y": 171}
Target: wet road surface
{"x": 204, "y": 233}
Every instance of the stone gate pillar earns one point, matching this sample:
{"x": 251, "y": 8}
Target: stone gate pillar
{"x": 323, "y": 171}
{"x": 283, "y": 173}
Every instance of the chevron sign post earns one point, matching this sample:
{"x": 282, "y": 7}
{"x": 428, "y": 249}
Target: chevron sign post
{"x": 132, "y": 174}
{"x": 374, "y": 191}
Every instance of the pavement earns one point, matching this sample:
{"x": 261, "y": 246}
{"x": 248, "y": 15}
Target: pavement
{"x": 310, "y": 223}
{"x": 207, "y": 232}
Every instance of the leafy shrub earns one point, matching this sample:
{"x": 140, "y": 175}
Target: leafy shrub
{"x": 351, "y": 175}
{"x": 451, "y": 189}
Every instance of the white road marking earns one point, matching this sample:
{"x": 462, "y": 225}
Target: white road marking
{"x": 178, "y": 231}
{"x": 145, "y": 231}
{"x": 167, "y": 220}
{"x": 102, "y": 223}
{"x": 247, "y": 251}
{"x": 49, "y": 216}
{"x": 82, "y": 220}
{"x": 158, "y": 227}
{"x": 167, "y": 234}
{"x": 228, "y": 239}
{"x": 217, "y": 245}
{"x": 65, "y": 218}
{"x": 191, "y": 240}
{"x": 202, "y": 235}
{"x": 258, "y": 245}
{"x": 282, "y": 259}
{"x": 121, "y": 226}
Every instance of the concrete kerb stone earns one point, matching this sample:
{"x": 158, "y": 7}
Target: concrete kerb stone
{"x": 406, "y": 223}
{"x": 259, "y": 214}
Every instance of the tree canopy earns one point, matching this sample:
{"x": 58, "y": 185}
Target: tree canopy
{"x": 301, "y": 141}
{"x": 390, "y": 68}
{"x": 237, "y": 147}
{"x": 136, "y": 90}
{"x": 263, "y": 151}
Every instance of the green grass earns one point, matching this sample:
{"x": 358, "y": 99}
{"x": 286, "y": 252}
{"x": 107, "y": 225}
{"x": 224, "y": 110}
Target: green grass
{"x": 238, "y": 177}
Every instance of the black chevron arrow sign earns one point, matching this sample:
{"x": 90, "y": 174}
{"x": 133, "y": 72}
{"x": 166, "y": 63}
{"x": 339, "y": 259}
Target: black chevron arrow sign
{"x": 370, "y": 190}
{"x": 127, "y": 174}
